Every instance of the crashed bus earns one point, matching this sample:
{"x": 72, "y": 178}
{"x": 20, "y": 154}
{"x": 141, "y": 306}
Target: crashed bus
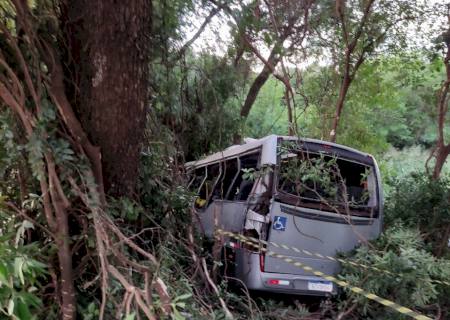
{"x": 314, "y": 195}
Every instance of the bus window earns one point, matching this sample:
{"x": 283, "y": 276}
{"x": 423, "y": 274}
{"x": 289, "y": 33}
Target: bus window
{"x": 314, "y": 180}
{"x": 231, "y": 170}
{"x": 213, "y": 174}
{"x": 240, "y": 190}
{"x": 198, "y": 175}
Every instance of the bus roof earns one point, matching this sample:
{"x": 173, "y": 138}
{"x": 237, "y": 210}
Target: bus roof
{"x": 269, "y": 144}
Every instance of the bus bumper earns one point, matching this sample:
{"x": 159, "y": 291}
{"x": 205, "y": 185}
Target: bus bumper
{"x": 249, "y": 271}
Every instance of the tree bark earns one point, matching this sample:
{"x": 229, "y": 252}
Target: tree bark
{"x": 442, "y": 150}
{"x": 340, "y": 105}
{"x": 260, "y": 80}
{"x": 291, "y": 128}
{"x": 441, "y": 156}
{"x": 109, "y": 52}
{"x": 68, "y": 306}
{"x": 350, "y": 68}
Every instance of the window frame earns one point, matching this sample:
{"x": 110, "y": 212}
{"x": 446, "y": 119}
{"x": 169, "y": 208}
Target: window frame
{"x": 256, "y": 151}
{"x": 291, "y": 199}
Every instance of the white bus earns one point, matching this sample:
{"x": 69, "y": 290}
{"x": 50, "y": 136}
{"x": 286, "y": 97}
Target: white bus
{"x": 310, "y": 194}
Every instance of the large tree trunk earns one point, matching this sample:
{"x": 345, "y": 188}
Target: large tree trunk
{"x": 108, "y": 43}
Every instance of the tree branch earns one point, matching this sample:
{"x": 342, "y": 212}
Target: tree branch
{"x": 207, "y": 20}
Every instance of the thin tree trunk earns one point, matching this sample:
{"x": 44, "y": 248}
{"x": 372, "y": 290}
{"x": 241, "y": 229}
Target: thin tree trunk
{"x": 442, "y": 248}
{"x": 442, "y": 150}
{"x": 340, "y": 105}
{"x": 291, "y": 129}
{"x": 350, "y": 68}
{"x": 441, "y": 156}
{"x": 258, "y": 84}
{"x": 68, "y": 307}
{"x": 62, "y": 238}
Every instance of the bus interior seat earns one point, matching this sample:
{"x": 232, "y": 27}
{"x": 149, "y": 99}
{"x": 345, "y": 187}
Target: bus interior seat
{"x": 355, "y": 193}
{"x": 244, "y": 190}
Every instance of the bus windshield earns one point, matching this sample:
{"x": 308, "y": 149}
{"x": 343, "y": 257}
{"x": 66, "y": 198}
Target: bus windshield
{"x": 326, "y": 182}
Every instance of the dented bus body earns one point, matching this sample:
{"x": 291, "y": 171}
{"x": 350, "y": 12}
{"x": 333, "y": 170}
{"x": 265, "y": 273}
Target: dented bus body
{"x": 276, "y": 189}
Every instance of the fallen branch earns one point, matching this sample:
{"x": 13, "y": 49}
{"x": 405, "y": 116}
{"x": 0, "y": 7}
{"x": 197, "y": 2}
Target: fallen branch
{"x": 228, "y": 314}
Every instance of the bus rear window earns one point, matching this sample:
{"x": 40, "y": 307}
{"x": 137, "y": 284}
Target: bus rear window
{"x": 327, "y": 183}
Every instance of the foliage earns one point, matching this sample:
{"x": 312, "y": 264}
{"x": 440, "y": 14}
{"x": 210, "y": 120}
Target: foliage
{"x": 252, "y": 174}
{"x": 268, "y": 113}
{"x": 189, "y": 94}
{"x": 430, "y": 200}
{"x": 401, "y": 251}
{"x": 271, "y": 309}
{"x": 397, "y": 164}
{"x": 168, "y": 201}
{"x": 391, "y": 103}
{"x": 318, "y": 173}
{"x": 417, "y": 217}
{"x": 20, "y": 273}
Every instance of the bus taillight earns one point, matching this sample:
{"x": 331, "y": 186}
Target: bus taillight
{"x": 277, "y": 282}
{"x": 261, "y": 262}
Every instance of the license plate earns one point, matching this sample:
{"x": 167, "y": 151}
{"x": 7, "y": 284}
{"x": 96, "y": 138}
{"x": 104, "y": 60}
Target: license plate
{"x": 325, "y": 286}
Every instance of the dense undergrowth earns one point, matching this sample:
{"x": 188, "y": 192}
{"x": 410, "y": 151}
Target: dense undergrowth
{"x": 161, "y": 221}
{"x": 413, "y": 249}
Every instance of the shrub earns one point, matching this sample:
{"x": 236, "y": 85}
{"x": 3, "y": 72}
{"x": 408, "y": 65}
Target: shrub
{"x": 401, "y": 251}
{"x": 19, "y": 274}
{"x": 420, "y": 202}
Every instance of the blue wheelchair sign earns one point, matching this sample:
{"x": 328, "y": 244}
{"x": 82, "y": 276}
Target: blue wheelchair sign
{"x": 279, "y": 223}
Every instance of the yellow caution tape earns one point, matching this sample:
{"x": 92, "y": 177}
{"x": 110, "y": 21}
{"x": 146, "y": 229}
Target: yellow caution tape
{"x": 403, "y": 310}
{"x": 343, "y": 261}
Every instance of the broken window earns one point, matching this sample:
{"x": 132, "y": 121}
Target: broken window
{"x": 241, "y": 188}
{"x": 213, "y": 174}
{"x": 198, "y": 175}
{"x": 327, "y": 183}
{"x": 231, "y": 170}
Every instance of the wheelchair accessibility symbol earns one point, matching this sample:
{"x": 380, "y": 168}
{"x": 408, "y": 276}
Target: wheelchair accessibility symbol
{"x": 279, "y": 223}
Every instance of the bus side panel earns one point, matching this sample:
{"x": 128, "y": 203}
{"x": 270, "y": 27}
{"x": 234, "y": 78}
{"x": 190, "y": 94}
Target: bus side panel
{"x": 227, "y": 215}
{"x": 316, "y": 231}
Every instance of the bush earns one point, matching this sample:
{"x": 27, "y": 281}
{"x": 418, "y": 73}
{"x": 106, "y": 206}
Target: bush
{"x": 19, "y": 274}
{"x": 417, "y": 220}
{"x": 420, "y": 202}
{"x": 401, "y": 251}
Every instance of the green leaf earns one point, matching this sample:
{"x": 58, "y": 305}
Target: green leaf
{"x": 11, "y": 307}
{"x": 182, "y": 297}
{"x": 3, "y": 199}
{"x": 130, "y": 316}
{"x": 177, "y": 315}
{"x": 4, "y": 275}
{"x": 18, "y": 268}
{"x": 22, "y": 310}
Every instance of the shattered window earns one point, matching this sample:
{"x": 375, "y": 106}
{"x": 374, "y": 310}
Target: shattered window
{"x": 241, "y": 188}
{"x": 326, "y": 182}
